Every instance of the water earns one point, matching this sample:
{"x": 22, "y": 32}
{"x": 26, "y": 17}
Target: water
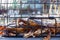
{"x": 58, "y": 38}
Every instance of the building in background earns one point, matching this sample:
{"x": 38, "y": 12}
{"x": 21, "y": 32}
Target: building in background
{"x": 26, "y": 8}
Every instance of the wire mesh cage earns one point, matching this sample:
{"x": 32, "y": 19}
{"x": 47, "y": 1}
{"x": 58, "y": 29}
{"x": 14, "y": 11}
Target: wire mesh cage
{"x": 15, "y": 15}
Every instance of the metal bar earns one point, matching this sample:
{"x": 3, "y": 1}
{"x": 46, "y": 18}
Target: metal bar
{"x": 41, "y": 18}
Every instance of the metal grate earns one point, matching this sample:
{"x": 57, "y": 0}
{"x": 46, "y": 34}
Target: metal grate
{"x": 13, "y": 9}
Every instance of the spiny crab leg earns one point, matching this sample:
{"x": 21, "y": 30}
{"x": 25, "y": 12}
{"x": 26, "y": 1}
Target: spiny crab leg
{"x": 28, "y": 34}
{"x": 38, "y": 32}
{"x": 48, "y": 36}
{"x": 34, "y": 34}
